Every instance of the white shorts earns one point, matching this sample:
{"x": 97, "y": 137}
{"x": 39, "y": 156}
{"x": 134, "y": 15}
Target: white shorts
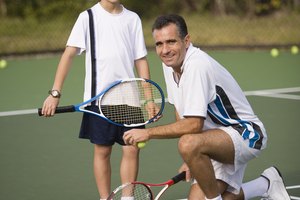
{"x": 233, "y": 174}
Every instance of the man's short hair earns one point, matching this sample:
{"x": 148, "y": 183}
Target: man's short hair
{"x": 165, "y": 20}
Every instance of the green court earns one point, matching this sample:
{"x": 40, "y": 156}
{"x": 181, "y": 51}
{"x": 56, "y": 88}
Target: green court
{"x": 43, "y": 159}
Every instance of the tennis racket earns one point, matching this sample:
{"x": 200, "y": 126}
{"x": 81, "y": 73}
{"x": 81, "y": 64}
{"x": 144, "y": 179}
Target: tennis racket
{"x": 142, "y": 191}
{"x": 130, "y": 102}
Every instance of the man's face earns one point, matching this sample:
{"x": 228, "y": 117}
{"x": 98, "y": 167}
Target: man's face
{"x": 170, "y": 47}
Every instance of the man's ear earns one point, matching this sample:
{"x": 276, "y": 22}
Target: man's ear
{"x": 187, "y": 41}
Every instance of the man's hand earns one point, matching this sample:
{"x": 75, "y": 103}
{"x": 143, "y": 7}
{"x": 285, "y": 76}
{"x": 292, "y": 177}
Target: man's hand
{"x": 134, "y": 136}
{"x": 152, "y": 110}
{"x": 188, "y": 175}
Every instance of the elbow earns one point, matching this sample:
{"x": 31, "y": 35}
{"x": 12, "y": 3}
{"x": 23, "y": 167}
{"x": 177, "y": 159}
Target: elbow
{"x": 195, "y": 125}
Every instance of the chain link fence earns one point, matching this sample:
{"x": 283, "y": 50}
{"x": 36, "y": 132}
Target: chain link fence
{"x": 219, "y": 28}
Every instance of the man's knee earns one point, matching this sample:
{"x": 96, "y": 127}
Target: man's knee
{"x": 187, "y": 145}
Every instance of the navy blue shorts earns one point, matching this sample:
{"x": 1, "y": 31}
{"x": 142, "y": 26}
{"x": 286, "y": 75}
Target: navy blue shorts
{"x": 100, "y": 131}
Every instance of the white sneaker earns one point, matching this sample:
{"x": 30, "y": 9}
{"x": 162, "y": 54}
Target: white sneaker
{"x": 276, "y": 190}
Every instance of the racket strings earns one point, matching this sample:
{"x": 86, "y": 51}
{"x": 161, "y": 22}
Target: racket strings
{"x": 123, "y": 114}
{"x": 132, "y": 192}
{"x": 131, "y": 102}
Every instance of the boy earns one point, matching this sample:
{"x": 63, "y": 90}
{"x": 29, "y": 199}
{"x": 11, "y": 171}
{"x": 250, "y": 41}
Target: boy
{"x": 119, "y": 45}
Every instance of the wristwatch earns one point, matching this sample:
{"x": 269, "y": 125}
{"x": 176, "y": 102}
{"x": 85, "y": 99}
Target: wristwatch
{"x": 54, "y": 93}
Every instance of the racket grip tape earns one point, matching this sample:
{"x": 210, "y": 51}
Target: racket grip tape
{"x": 61, "y": 109}
{"x": 179, "y": 177}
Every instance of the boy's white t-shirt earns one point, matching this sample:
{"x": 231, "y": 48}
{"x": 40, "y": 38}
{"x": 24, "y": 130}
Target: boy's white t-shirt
{"x": 119, "y": 42}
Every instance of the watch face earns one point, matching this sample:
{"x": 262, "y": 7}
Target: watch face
{"x": 55, "y": 93}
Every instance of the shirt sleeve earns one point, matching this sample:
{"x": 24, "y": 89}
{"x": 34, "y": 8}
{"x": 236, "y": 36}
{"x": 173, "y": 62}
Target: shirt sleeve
{"x": 199, "y": 89}
{"x": 139, "y": 41}
{"x": 78, "y": 36}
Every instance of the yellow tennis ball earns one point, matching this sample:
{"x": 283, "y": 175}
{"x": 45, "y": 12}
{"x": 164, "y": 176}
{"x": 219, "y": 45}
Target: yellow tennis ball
{"x": 274, "y": 52}
{"x": 141, "y": 144}
{"x": 294, "y": 50}
{"x": 3, "y": 64}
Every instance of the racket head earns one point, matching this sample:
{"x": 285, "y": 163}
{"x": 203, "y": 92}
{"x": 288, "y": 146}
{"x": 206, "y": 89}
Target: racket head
{"x": 132, "y": 102}
{"x": 136, "y": 191}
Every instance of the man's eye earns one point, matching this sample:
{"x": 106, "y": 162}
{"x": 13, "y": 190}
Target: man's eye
{"x": 172, "y": 42}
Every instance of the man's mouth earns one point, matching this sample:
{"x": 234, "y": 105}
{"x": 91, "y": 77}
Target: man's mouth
{"x": 168, "y": 58}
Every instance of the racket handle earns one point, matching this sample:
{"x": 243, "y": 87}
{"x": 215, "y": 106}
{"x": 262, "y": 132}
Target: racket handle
{"x": 179, "y": 177}
{"x": 62, "y": 109}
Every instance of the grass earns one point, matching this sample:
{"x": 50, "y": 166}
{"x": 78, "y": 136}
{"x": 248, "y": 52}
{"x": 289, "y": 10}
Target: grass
{"x": 19, "y": 36}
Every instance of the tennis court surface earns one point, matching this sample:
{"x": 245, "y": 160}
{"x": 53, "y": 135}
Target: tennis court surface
{"x": 44, "y": 159}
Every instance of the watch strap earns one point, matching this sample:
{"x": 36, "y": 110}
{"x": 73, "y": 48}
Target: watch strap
{"x": 54, "y": 93}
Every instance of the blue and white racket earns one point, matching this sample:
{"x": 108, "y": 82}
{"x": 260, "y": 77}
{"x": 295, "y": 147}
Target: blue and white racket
{"x": 130, "y": 102}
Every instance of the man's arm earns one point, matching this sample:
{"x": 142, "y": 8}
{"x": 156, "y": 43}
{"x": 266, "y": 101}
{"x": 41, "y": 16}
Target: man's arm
{"x": 188, "y": 125}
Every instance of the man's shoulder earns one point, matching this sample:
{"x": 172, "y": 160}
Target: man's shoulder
{"x": 196, "y": 55}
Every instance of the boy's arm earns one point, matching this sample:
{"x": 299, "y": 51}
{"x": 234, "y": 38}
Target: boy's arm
{"x": 63, "y": 68}
{"x": 142, "y": 68}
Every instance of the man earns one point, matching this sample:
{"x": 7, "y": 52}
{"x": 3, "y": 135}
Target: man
{"x": 219, "y": 132}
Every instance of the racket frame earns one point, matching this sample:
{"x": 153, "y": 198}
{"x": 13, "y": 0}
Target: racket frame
{"x": 80, "y": 107}
{"x": 179, "y": 177}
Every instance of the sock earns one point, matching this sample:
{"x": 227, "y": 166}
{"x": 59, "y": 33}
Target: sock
{"x": 255, "y": 188}
{"x": 216, "y": 198}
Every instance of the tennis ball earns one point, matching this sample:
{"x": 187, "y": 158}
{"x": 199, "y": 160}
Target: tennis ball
{"x": 141, "y": 144}
{"x": 3, "y": 64}
{"x": 294, "y": 50}
{"x": 274, "y": 52}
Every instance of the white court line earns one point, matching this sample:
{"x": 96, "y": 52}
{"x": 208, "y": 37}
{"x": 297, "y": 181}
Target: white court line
{"x": 275, "y": 93}
{"x": 282, "y": 96}
{"x": 272, "y": 91}
{"x": 292, "y": 187}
